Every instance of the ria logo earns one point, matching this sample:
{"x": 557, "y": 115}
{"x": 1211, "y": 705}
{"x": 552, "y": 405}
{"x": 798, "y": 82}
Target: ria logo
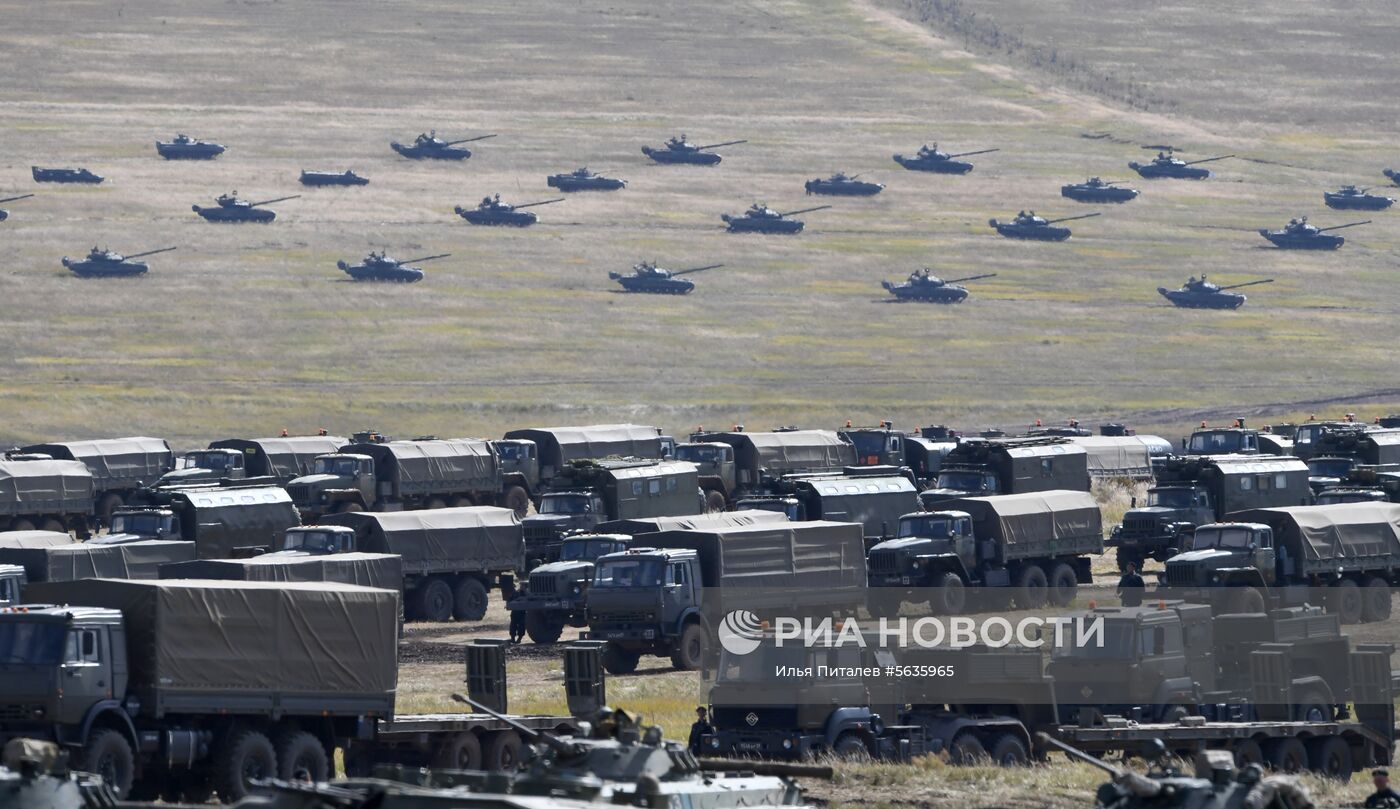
{"x": 739, "y": 632}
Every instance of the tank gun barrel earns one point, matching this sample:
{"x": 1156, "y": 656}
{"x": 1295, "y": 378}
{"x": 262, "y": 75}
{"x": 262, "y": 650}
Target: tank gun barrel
{"x": 557, "y": 745}
{"x": 1072, "y": 218}
{"x": 766, "y": 767}
{"x": 726, "y": 143}
{"x": 697, "y": 269}
{"x": 270, "y": 201}
{"x": 1076, "y": 753}
{"x": 151, "y": 252}
{"x": 1208, "y": 159}
{"x": 12, "y": 199}
{"x": 1348, "y": 225}
{"x": 970, "y": 278}
{"x": 469, "y": 140}
{"x": 1249, "y": 284}
{"x": 533, "y": 204}
{"x": 425, "y": 258}
{"x": 970, "y": 154}
{"x": 805, "y": 210}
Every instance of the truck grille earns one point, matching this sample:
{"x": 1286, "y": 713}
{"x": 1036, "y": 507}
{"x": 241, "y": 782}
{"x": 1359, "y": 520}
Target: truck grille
{"x": 735, "y": 717}
{"x": 544, "y": 584}
{"x": 1141, "y": 526}
{"x": 16, "y": 713}
{"x": 1181, "y": 575}
{"x": 300, "y": 493}
{"x": 883, "y": 561}
{"x": 537, "y": 531}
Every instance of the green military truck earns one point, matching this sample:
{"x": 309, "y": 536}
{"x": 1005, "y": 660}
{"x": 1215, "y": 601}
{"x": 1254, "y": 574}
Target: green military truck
{"x": 120, "y": 466}
{"x": 1343, "y": 556}
{"x": 983, "y": 467}
{"x": 874, "y": 496}
{"x": 534, "y": 457}
{"x": 221, "y": 520}
{"x": 280, "y": 459}
{"x": 1032, "y": 548}
{"x": 656, "y": 598}
{"x": 381, "y": 570}
{"x": 1337, "y": 452}
{"x": 1123, "y": 457}
{"x": 739, "y": 464}
{"x": 38, "y": 493}
{"x": 1236, "y": 439}
{"x": 1362, "y": 484}
{"x": 637, "y": 526}
{"x": 1200, "y": 489}
{"x": 56, "y": 557}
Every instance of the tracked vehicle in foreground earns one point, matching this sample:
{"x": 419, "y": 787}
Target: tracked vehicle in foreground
{"x": 928, "y": 288}
{"x": 428, "y": 146}
{"x": 1202, "y": 294}
{"x": 1298, "y": 234}
{"x": 491, "y": 211}
{"x": 647, "y": 277}
{"x": 839, "y": 184}
{"x": 1027, "y": 225}
{"x": 184, "y": 147}
{"x": 383, "y": 267}
{"x": 232, "y": 209}
{"x": 1351, "y": 198}
{"x": 1167, "y": 166}
{"x": 681, "y": 151}
{"x": 759, "y": 218}
{"x": 43, "y": 175}
{"x": 582, "y": 179}
{"x": 1097, "y": 190}
{"x": 929, "y": 158}
{"x": 346, "y": 177}
{"x": 107, "y": 264}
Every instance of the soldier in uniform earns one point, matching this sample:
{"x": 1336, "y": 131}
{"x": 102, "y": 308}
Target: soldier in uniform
{"x": 1384, "y": 797}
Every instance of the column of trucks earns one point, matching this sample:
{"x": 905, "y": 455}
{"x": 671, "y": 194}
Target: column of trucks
{"x": 39, "y": 493}
{"x": 278, "y": 459}
{"x": 120, "y": 466}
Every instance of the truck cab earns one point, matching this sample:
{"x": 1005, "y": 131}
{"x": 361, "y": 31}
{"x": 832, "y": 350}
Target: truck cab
{"x": 1222, "y": 441}
{"x": 558, "y": 514}
{"x": 961, "y": 481}
{"x": 1159, "y": 529}
{"x": 647, "y": 600}
{"x": 876, "y": 446}
{"x": 791, "y": 507}
{"x": 520, "y": 462}
{"x": 63, "y": 665}
{"x": 1228, "y": 563}
{"x": 317, "y": 540}
{"x": 929, "y": 547}
{"x": 136, "y": 524}
{"x": 205, "y": 466}
{"x": 715, "y": 462}
{"x": 337, "y": 482}
{"x": 1328, "y": 471}
{"x": 12, "y": 580}
{"x": 557, "y": 593}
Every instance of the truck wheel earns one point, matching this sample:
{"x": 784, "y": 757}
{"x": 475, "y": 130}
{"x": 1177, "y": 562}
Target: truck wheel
{"x": 1031, "y": 588}
{"x": 1246, "y": 600}
{"x": 1009, "y": 751}
{"x": 433, "y": 601}
{"x": 1064, "y": 585}
{"x": 1313, "y": 707}
{"x": 516, "y": 499}
{"x": 1375, "y": 600}
{"x": 301, "y": 755}
{"x": 949, "y": 595}
{"x": 714, "y": 501}
{"x": 1345, "y": 601}
{"x": 1288, "y": 755}
{"x": 541, "y": 628}
{"x": 51, "y": 524}
{"x": 245, "y": 756}
{"x": 109, "y": 755}
{"x": 461, "y": 752}
{"x": 1173, "y": 714}
{"x": 1247, "y": 751}
{"x": 966, "y": 750}
{"x": 850, "y": 747}
{"x": 21, "y": 525}
{"x": 1330, "y": 757}
{"x": 690, "y": 652}
{"x": 469, "y": 600}
{"x": 502, "y": 753}
{"x": 617, "y": 660}
{"x": 105, "y": 507}
{"x": 436, "y": 502}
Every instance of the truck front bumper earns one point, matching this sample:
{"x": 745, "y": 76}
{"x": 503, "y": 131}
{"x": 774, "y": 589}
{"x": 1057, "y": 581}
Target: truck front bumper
{"x": 903, "y": 579}
{"x": 763, "y": 743}
{"x": 533, "y": 603}
{"x": 628, "y": 636}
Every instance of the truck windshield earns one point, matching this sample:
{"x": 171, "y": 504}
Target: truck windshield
{"x": 700, "y": 453}
{"x": 508, "y": 452}
{"x": 204, "y": 460}
{"x": 1227, "y": 538}
{"x": 32, "y": 642}
{"x": 1118, "y": 642}
{"x": 968, "y": 482}
{"x": 1171, "y": 498}
{"x": 566, "y": 504}
{"x": 1330, "y": 467}
{"x": 576, "y": 549}
{"x": 318, "y": 541}
{"x": 1221, "y": 442}
{"x": 628, "y": 573}
{"x": 927, "y": 527}
{"x": 341, "y": 467}
{"x": 143, "y": 524}
{"x": 759, "y": 667}
{"x": 867, "y": 443}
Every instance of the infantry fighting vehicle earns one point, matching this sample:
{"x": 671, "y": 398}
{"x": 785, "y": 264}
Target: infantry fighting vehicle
{"x": 928, "y": 288}
{"x": 42, "y": 175}
{"x": 232, "y": 209}
{"x": 1202, "y": 294}
{"x": 1166, "y": 165}
{"x": 430, "y": 147}
{"x": 759, "y": 218}
{"x": 106, "y": 264}
{"x": 584, "y": 180}
{"x": 680, "y": 150}
{"x": 4, "y": 214}
{"x": 346, "y": 177}
{"x": 929, "y": 158}
{"x": 1299, "y": 235}
{"x": 383, "y": 267}
{"x": 1097, "y": 190}
{"x": 840, "y": 184}
{"x": 1349, "y": 197}
{"x": 184, "y": 147}
{"x": 1027, "y": 225}
{"x": 647, "y": 277}
{"x": 491, "y": 211}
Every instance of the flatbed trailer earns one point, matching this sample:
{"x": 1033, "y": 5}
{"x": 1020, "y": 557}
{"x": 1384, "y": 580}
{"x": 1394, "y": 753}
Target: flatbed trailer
{"x": 469, "y": 741}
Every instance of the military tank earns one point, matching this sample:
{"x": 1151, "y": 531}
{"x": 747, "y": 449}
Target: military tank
{"x": 428, "y": 146}
{"x": 1027, "y": 225}
{"x": 582, "y": 179}
{"x": 184, "y": 147}
{"x": 647, "y": 277}
{"x": 929, "y": 158}
{"x": 107, "y": 264}
{"x": 232, "y": 209}
{"x": 4, "y": 214}
{"x": 759, "y": 218}
{"x": 346, "y": 177}
{"x": 1097, "y": 190}
{"x": 842, "y": 185}
{"x": 925, "y": 287}
{"x": 383, "y": 267}
{"x": 1393, "y": 175}
{"x": 1351, "y": 198}
{"x": 43, "y": 175}
{"x": 1202, "y": 294}
{"x": 491, "y": 211}
{"x": 1299, "y": 235}
{"x": 680, "y": 150}
{"x": 1167, "y": 166}
{"x": 35, "y": 775}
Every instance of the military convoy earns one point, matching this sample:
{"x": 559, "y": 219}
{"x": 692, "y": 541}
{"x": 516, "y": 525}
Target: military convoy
{"x": 1203, "y": 294}
{"x": 1299, "y": 235}
{"x": 1027, "y": 225}
{"x": 184, "y": 147}
{"x": 232, "y": 209}
{"x": 280, "y": 459}
{"x": 383, "y": 267}
{"x": 45, "y": 556}
{"x": 876, "y": 497}
{"x": 536, "y": 460}
{"x": 1167, "y": 165}
{"x": 929, "y": 158}
{"x": 107, "y": 264}
{"x": 222, "y": 520}
{"x": 759, "y": 218}
{"x": 39, "y": 493}
{"x": 1009, "y": 466}
{"x": 681, "y": 151}
{"x": 740, "y": 464}
{"x": 927, "y": 288}
{"x": 1236, "y": 439}
{"x": 4, "y": 214}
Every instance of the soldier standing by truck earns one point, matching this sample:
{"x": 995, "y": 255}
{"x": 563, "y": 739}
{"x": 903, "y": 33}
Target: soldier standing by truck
{"x": 1130, "y": 587}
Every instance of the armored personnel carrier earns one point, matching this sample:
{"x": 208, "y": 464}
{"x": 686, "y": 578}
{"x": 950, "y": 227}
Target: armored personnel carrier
{"x": 184, "y": 147}
{"x": 759, "y": 218}
{"x": 929, "y": 158}
{"x": 1202, "y": 294}
{"x": 928, "y": 288}
{"x": 4, "y": 214}
{"x": 647, "y": 277}
{"x": 232, "y": 209}
{"x": 842, "y": 185}
{"x": 1027, "y": 225}
{"x": 1097, "y": 190}
{"x": 1393, "y": 175}
{"x": 428, "y": 146}
{"x": 1299, "y": 235}
{"x": 42, "y": 175}
{"x": 383, "y": 267}
{"x": 584, "y": 180}
{"x": 1351, "y": 198}
{"x": 491, "y": 211}
{"x": 106, "y": 264}
{"x": 346, "y": 177}
{"x": 1165, "y": 165}
{"x": 680, "y": 150}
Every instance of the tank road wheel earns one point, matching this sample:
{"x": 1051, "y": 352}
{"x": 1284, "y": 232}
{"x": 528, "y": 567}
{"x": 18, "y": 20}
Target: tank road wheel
{"x": 690, "y": 651}
{"x": 1345, "y": 601}
{"x": 433, "y": 601}
{"x": 1009, "y": 751}
{"x": 502, "y": 752}
{"x": 966, "y": 750}
{"x": 109, "y": 754}
{"x": 1245, "y": 600}
{"x": 245, "y": 756}
{"x": 1031, "y": 588}
{"x": 301, "y": 755}
{"x": 1330, "y": 757}
{"x": 105, "y": 507}
{"x": 541, "y": 628}
{"x": 949, "y": 595}
{"x": 516, "y": 499}
{"x": 469, "y": 600}
{"x": 617, "y": 660}
{"x": 1064, "y": 585}
{"x": 850, "y": 747}
{"x": 1247, "y": 751}
{"x": 715, "y": 501}
{"x": 461, "y": 752}
{"x": 1287, "y": 755}
{"x": 1375, "y": 600}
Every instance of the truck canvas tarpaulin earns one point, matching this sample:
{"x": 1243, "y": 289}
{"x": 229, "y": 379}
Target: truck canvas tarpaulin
{"x": 381, "y": 570}
{"x": 1036, "y": 522}
{"x": 411, "y": 467}
{"x": 37, "y": 487}
{"x": 1351, "y": 532}
{"x": 1111, "y": 456}
{"x": 482, "y": 538}
{"x": 650, "y": 525}
{"x": 219, "y": 520}
{"x": 282, "y": 458}
{"x": 115, "y": 463}
{"x": 560, "y": 445}
{"x": 261, "y": 646}
{"x": 779, "y": 453}
{"x": 81, "y": 560}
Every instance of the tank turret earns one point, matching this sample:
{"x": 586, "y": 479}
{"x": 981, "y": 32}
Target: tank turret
{"x": 184, "y": 147}
{"x": 929, "y": 158}
{"x": 230, "y": 208}
{"x": 491, "y": 211}
{"x": 647, "y": 277}
{"x": 1095, "y": 189}
{"x": 383, "y": 267}
{"x": 428, "y": 146}
{"x": 1166, "y": 165}
{"x": 1299, "y": 234}
{"x": 925, "y": 287}
{"x": 681, "y": 151}
{"x": 582, "y": 179}
{"x": 4, "y": 214}
{"x": 102, "y": 263}
{"x": 1027, "y": 225}
{"x": 759, "y": 218}
{"x": 1202, "y": 294}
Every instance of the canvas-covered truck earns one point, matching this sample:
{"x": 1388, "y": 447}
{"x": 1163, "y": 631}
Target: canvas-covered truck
{"x": 654, "y": 598}
{"x": 452, "y": 557}
{"x": 382, "y": 570}
{"x": 637, "y": 526}
{"x": 120, "y": 466}
{"x": 1342, "y": 555}
{"x": 280, "y": 458}
{"x": 221, "y": 521}
{"x": 533, "y": 457}
{"x": 1009, "y": 466}
{"x": 1125, "y": 457}
{"x": 1236, "y": 439}
{"x": 46, "y": 495}
{"x": 1197, "y": 489}
{"x": 1033, "y": 548}
{"x": 56, "y": 557}
{"x": 738, "y": 464}
{"x": 874, "y": 496}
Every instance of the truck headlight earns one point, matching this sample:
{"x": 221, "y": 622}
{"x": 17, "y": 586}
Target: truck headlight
{"x": 577, "y": 589}
{"x": 787, "y": 744}
{"x": 917, "y": 563}
{"x": 714, "y": 742}
{"x": 39, "y": 712}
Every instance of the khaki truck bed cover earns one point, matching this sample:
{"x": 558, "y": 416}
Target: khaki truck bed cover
{"x": 483, "y": 538}
{"x": 71, "y": 560}
{"x": 447, "y": 465}
{"x": 115, "y": 461}
{"x": 1035, "y": 523}
{"x": 381, "y": 570}
{"x": 37, "y": 487}
{"x": 1344, "y": 531}
{"x": 560, "y": 445}
{"x": 1126, "y": 456}
{"x": 285, "y": 458}
{"x": 650, "y": 525}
